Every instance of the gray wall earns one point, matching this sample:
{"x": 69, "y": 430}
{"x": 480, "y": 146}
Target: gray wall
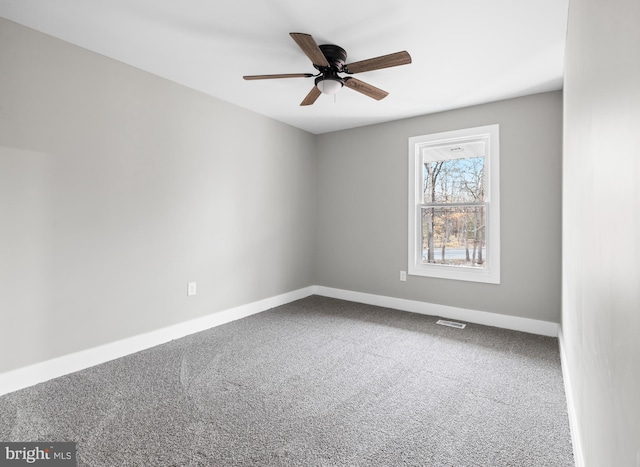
{"x": 362, "y": 209}
{"x": 117, "y": 188}
{"x": 601, "y": 226}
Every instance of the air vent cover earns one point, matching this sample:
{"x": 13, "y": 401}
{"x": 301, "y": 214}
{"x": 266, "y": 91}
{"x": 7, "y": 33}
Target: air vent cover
{"x": 451, "y": 324}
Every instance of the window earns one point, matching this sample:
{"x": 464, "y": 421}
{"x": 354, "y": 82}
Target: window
{"x": 454, "y": 205}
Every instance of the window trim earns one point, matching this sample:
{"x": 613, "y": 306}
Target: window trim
{"x": 491, "y": 273}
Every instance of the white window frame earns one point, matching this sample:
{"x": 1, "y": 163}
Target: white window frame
{"x": 417, "y": 145}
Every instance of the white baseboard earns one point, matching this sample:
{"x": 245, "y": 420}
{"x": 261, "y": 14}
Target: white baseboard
{"x": 60, "y": 366}
{"x": 571, "y": 403}
{"x": 44, "y": 371}
{"x": 533, "y": 326}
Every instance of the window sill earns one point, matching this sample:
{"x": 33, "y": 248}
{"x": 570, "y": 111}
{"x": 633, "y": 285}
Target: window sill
{"x": 455, "y": 273}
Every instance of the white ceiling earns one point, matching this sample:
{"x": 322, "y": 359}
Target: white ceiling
{"x": 464, "y": 52}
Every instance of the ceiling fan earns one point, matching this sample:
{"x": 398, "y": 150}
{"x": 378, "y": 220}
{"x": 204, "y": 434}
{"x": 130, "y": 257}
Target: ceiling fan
{"x": 330, "y": 60}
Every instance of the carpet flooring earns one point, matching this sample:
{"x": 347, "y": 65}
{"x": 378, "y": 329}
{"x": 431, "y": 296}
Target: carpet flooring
{"x": 317, "y": 382}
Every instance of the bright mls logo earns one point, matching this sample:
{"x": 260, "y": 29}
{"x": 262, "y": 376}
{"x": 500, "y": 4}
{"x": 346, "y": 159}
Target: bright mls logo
{"x": 46, "y": 453}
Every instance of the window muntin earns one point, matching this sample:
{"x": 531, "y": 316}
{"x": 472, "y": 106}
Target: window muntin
{"x": 454, "y": 205}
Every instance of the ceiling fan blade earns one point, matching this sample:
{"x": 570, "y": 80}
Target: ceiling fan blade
{"x": 290, "y": 75}
{"x": 310, "y": 48}
{"x": 384, "y": 61}
{"x": 312, "y": 96}
{"x": 365, "y": 88}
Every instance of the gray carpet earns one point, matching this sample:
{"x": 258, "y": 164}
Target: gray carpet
{"x": 317, "y": 382}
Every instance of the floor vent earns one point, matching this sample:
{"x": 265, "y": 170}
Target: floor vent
{"x": 451, "y": 324}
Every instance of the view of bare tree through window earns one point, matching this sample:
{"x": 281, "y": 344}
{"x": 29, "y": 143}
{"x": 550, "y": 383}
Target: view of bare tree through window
{"x": 454, "y": 205}
{"x": 454, "y": 210}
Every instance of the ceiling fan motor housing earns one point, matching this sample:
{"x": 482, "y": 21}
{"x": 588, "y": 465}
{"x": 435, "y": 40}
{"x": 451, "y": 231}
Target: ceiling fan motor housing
{"x": 335, "y": 55}
{"x": 329, "y": 82}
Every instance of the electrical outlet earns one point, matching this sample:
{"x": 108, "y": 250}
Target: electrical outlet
{"x": 191, "y": 288}
{"x": 403, "y": 276}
